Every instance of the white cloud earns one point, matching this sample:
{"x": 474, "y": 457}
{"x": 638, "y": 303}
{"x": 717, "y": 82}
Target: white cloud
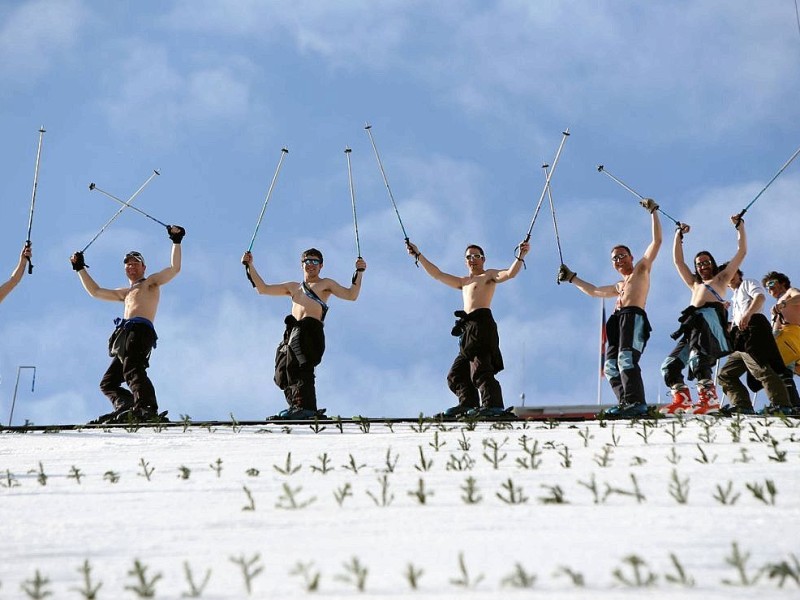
{"x": 347, "y": 34}
{"x": 155, "y": 94}
{"x": 34, "y": 35}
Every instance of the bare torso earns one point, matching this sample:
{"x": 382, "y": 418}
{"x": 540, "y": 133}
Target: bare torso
{"x": 790, "y": 312}
{"x": 478, "y": 290}
{"x": 702, "y": 295}
{"x": 302, "y": 305}
{"x": 634, "y": 288}
{"x": 141, "y": 300}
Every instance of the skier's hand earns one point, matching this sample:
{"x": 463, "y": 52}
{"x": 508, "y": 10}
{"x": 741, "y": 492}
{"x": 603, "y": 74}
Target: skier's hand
{"x": 176, "y": 233}
{"x": 77, "y": 261}
{"x": 649, "y": 205}
{"x": 565, "y": 274}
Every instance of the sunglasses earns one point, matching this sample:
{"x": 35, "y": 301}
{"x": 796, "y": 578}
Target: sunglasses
{"x": 703, "y": 263}
{"x": 473, "y": 256}
{"x": 619, "y": 257}
{"x": 137, "y": 256}
{"x": 312, "y": 261}
{"x": 771, "y": 284}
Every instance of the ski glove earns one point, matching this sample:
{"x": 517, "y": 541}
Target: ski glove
{"x": 78, "y": 264}
{"x": 565, "y": 274}
{"x": 649, "y": 205}
{"x": 176, "y": 237}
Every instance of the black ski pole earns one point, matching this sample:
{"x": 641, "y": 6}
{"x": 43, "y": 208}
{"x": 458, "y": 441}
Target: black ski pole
{"x": 602, "y": 169}
{"x": 764, "y": 189}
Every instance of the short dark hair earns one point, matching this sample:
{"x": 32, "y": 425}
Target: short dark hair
{"x": 312, "y": 252}
{"x": 714, "y": 266}
{"x": 476, "y": 246}
{"x": 779, "y": 277}
{"x": 624, "y": 247}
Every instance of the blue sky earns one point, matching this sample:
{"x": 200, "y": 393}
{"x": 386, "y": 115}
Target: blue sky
{"x": 692, "y": 103}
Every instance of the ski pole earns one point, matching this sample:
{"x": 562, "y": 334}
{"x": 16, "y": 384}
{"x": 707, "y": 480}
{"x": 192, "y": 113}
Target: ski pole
{"x": 119, "y": 212}
{"x": 93, "y": 187}
{"x": 284, "y": 152}
{"x": 33, "y": 195}
{"x": 368, "y": 128}
{"x": 564, "y": 136}
{"x": 602, "y": 169}
{"x": 764, "y": 189}
{"x": 347, "y": 152}
{"x": 16, "y": 386}
{"x": 553, "y": 211}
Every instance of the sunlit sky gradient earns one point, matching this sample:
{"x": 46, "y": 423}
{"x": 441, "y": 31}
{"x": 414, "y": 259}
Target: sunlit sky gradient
{"x": 692, "y": 103}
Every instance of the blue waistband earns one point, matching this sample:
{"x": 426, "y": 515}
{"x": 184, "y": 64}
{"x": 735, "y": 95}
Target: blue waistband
{"x": 126, "y": 323}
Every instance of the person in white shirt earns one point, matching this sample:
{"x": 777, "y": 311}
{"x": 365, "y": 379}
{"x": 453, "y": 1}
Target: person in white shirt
{"x": 755, "y": 351}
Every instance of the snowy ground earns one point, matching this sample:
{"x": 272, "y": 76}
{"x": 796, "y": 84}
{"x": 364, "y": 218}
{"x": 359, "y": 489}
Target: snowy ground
{"x": 451, "y": 510}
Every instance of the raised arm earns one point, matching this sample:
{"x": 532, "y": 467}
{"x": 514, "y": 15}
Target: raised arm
{"x": 266, "y": 289}
{"x": 677, "y": 255}
{"x": 655, "y": 244}
{"x": 511, "y": 272}
{"x": 741, "y": 250}
{"x": 176, "y": 233}
{"x": 432, "y": 270}
{"x": 90, "y": 285}
{"x": 16, "y": 275}
{"x": 350, "y": 293}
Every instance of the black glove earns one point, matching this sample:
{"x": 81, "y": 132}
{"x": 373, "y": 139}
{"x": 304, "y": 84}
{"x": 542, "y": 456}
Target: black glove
{"x": 649, "y": 205}
{"x": 564, "y": 274}
{"x": 176, "y": 237}
{"x": 78, "y": 264}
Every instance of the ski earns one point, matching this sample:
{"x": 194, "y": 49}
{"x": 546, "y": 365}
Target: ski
{"x": 512, "y": 415}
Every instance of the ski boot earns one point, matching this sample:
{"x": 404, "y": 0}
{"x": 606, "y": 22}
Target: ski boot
{"x": 490, "y": 413}
{"x": 681, "y": 401}
{"x": 627, "y": 410}
{"x": 779, "y": 411}
{"x": 298, "y": 413}
{"x": 147, "y": 416}
{"x": 118, "y": 415}
{"x": 708, "y": 403}
{"x": 730, "y": 410}
{"x": 454, "y": 412}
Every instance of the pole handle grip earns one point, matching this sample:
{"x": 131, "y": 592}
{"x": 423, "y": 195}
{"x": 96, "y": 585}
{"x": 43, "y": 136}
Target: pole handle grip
{"x": 30, "y": 264}
{"x": 739, "y": 218}
{"x": 247, "y": 272}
